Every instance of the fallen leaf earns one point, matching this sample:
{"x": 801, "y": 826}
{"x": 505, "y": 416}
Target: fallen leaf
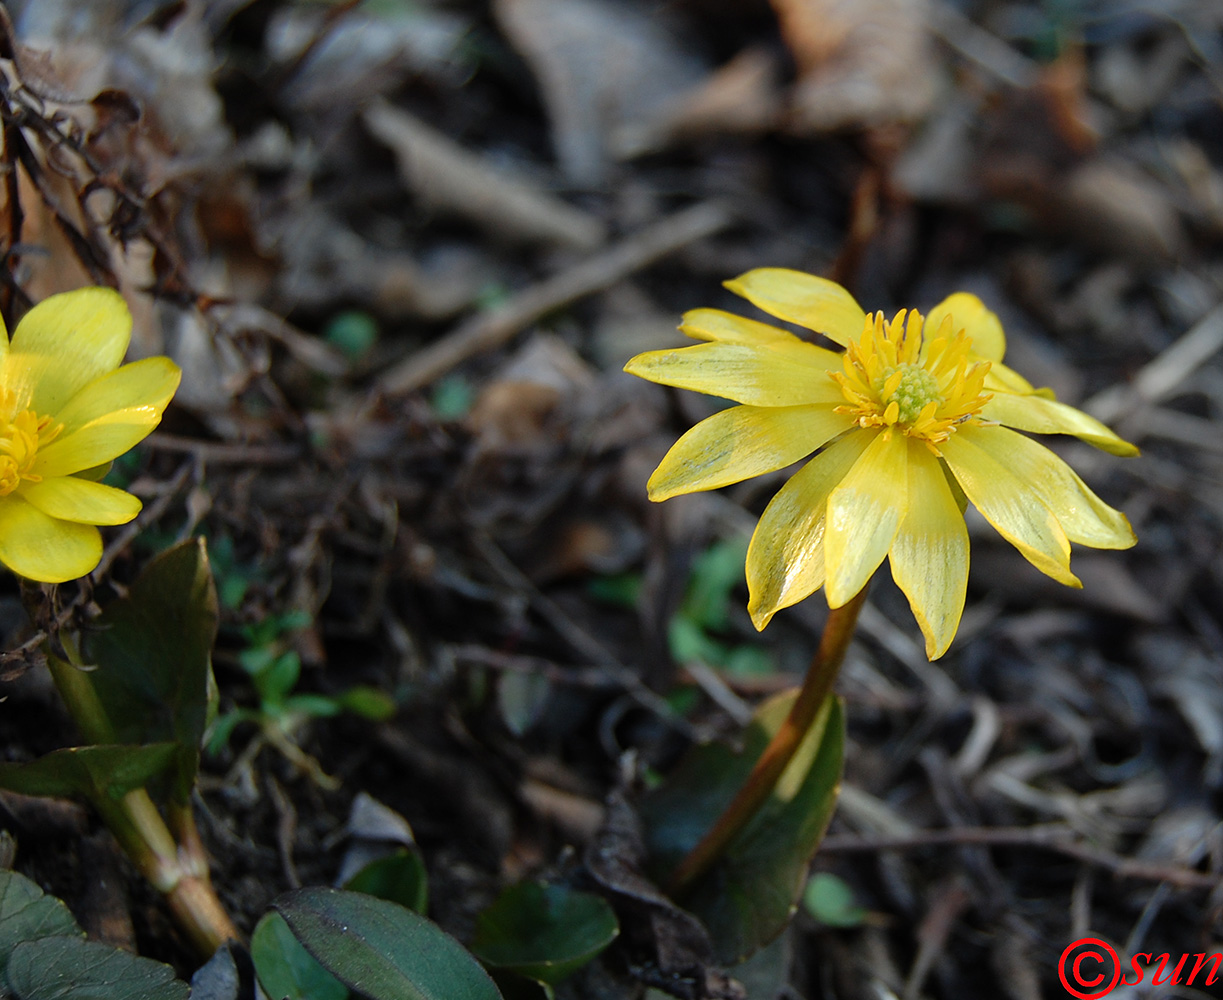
{"x": 448, "y": 178}
{"x": 604, "y": 69}
{"x": 861, "y": 63}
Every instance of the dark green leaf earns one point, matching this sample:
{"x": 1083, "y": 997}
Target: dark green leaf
{"x": 543, "y": 931}
{"x": 153, "y": 649}
{"x": 27, "y": 914}
{"x": 748, "y": 661}
{"x": 95, "y": 772}
{"x": 285, "y": 969}
{"x": 516, "y": 987}
{"x": 399, "y": 877}
{"x": 748, "y": 896}
{"x": 70, "y": 968}
{"x": 381, "y": 949}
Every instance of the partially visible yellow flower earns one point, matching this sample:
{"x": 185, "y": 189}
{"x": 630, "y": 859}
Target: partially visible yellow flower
{"x": 66, "y": 408}
{"x": 913, "y": 421}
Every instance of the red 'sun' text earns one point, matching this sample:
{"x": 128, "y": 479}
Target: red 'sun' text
{"x": 1089, "y": 969}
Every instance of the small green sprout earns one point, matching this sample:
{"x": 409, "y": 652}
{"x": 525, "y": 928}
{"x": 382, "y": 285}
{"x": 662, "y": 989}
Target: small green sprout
{"x": 275, "y": 670}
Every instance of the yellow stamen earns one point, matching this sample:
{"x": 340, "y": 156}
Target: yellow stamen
{"x": 895, "y": 377}
{"x": 21, "y": 434}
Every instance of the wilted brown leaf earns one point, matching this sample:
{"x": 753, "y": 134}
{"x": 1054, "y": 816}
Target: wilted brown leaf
{"x": 605, "y": 69}
{"x": 861, "y": 63}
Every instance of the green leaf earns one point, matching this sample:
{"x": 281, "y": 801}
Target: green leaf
{"x": 309, "y": 706}
{"x": 715, "y": 573}
{"x": 381, "y": 949}
{"x": 516, "y": 987}
{"x": 831, "y": 901}
{"x": 26, "y": 914}
{"x": 688, "y": 642}
{"x": 399, "y": 877}
{"x": 223, "y": 726}
{"x": 622, "y": 589}
{"x": 70, "y": 968}
{"x": 279, "y": 678}
{"x": 153, "y": 649}
{"x": 747, "y": 898}
{"x": 285, "y": 969}
{"x": 354, "y": 333}
{"x": 452, "y": 397}
{"x": 96, "y": 772}
{"x": 749, "y": 661}
{"x": 544, "y": 932}
{"x": 367, "y": 702}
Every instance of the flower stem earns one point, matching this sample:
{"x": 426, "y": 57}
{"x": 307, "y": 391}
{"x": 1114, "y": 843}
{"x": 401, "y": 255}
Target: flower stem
{"x": 759, "y": 785}
{"x": 178, "y": 872}
{"x": 76, "y": 689}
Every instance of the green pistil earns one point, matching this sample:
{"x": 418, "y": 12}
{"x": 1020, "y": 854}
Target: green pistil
{"x": 917, "y": 388}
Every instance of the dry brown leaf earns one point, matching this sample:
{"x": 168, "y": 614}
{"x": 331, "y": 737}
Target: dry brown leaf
{"x": 341, "y": 61}
{"x": 740, "y": 97}
{"x": 861, "y": 63}
{"x": 606, "y": 70}
{"x": 450, "y": 179}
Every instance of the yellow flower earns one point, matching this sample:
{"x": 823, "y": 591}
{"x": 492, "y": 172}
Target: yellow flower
{"x": 913, "y": 420}
{"x": 66, "y": 408}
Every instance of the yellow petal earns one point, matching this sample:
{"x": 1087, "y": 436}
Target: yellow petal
{"x": 109, "y": 416}
{"x": 1084, "y": 517}
{"x": 930, "y": 554}
{"x": 64, "y": 343}
{"x": 816, "y": 303}
{"x": 742, "y": 442}
{"x": 40, "y": 547}
{"x": 72, "y": 499}
{"x": 715, "y": 324}
{"x": 864, "y": 513}
{"x": 785, "y": 560}
{"x": 1046, "y": 416}
{"x": 968, "y": 313}
{"x": 779, "y": 375}
{"x": 142, "y": 385}
{"x": 981, "y": 465}
{"x": 1000, "y": 378}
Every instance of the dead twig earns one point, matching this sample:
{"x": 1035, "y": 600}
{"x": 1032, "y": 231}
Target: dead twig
{"x": 225, "y": 452}
{"x": 492, "y": 329}
{"x": 1050, "y": 838}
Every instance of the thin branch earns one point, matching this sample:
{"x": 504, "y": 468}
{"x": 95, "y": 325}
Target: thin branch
{"x": 492, "y": 329}
{"x": 1051, "y": 838}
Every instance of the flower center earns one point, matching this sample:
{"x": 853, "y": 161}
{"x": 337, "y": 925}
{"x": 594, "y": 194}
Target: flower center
{"x": 911, "y": 387}
{"x": 895, "y": 377}
{"x": 21, "y": 433}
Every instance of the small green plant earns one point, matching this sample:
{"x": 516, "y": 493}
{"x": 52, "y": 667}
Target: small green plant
{"x": 275, "y": 670}
{"x": 705, "y": 614}
{"x": 698, "y": 629}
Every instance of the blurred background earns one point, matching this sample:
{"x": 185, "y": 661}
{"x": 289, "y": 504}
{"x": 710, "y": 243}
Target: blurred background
{"x": 403, "y": 248}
